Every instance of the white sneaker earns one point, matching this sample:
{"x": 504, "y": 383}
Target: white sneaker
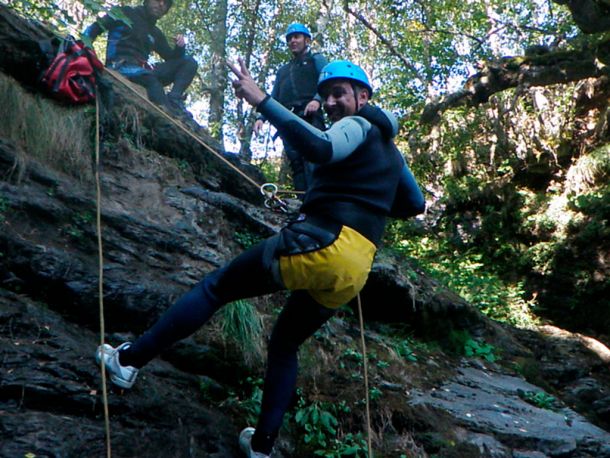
{"x": 121, "y": 376}
{"x": 245, "y": 437}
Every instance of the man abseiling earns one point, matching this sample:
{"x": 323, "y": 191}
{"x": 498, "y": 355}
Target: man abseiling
{"x": 323, "y": 257}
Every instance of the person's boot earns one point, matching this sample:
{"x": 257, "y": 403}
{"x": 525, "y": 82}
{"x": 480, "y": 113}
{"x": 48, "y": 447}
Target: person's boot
{"x": 121, "y": 376}
{"x": 245, "y": 439}
{"x": 178, "y": 109}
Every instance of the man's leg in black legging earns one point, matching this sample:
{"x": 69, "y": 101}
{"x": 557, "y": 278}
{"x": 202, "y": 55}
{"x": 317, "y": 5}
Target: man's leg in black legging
{"x": 300, "y": 318}
{"x": 297, "y": 166}
{"x": 179, "y": 72}
{"x": 245, "y": 276}
{"x": 154, "y": 88}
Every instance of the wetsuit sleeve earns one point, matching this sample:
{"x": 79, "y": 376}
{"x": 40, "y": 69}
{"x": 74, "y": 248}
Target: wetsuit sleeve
{"x": 163, "y": 48}
{"x": 100, "y": 26}
{"x": 409, "y": 200}
{"x": 386, "y": 121}
{"x": 316, "y": 146}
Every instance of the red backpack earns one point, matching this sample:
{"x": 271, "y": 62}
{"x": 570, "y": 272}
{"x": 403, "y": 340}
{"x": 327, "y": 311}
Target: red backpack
{"x": 71, "y": 74}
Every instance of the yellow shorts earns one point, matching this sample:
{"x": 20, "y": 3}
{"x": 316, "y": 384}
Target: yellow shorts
{"x": 334, "y": 274}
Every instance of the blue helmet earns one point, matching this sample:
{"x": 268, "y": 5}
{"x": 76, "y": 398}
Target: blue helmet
{"x": 346, "y": 70}
{"x": 295, "y": 27}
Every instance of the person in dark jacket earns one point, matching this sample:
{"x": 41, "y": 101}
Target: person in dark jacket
{"x": 295, "y": 87}
{"x": 324, "y": 256}
{"x": 130, "y": 46}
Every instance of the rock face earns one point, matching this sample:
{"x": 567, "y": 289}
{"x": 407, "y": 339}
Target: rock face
{"x": 483, "y": 399}
{"x": 171, "y": 212}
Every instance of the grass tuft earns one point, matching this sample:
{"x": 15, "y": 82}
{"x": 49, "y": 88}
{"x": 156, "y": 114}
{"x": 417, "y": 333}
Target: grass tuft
{"x": 242, "y": 325}
{"x": 53, "y": 134}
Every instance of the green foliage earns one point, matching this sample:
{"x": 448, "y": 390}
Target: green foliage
{"x": 464, "y": 344}
{"x": 318, "y": 421}
{"x": 248, "y": 401}
{"x": 47, "y": 11}
{"x": 476, "y": 349}
{"x": 468, "y": 275}
{"x": 79, "y": 223}
{"x": 271, "y": 169}
{"x": 4, "y": 206}
{"x": 353, "y": 355}
{"x": 247, "y": 239}
{"x": 403, "y": 349}
{"x": 183, "y": 165}
{"x": 539, "y": 399}
{"x": 352, "y": 445}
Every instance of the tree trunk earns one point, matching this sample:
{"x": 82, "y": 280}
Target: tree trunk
{"x": 248, "y": 118}
{"x": 218, "y": 74}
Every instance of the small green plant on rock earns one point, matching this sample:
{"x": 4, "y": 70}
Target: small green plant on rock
{"x": 246, "y": 239}
{"x": 318, "y": 421}
{"x": 3, "y": 208}
{"x": 248, "y": 400}
{"x": 463, "y": 343}
{"x": 539, "y": 399}
{"x": 474, "y": 348}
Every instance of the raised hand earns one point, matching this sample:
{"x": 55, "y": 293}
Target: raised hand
{"x": 258, "y": 126}
{"x": 244, "y": 86}
{"x": 311, "y": 107}
{"x": 180, "y": 41}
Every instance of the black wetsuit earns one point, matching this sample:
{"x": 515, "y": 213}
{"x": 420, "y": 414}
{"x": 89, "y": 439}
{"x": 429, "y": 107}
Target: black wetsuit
{"x": 296, "y": 84}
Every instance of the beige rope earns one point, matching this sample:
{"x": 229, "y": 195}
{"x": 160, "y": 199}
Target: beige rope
{"x": 101, "y": 272}
{"x": 366, "y": 379}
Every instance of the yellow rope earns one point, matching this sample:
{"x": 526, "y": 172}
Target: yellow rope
{"x": 101, "y": 272}
{"x": 366, "y": 379}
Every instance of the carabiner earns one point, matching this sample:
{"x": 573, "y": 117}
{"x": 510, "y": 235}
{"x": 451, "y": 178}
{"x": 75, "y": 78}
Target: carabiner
{"x": 269, "y": 190}
{"x": 272, "y": 201}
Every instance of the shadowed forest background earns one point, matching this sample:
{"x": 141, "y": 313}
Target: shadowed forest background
{"x": 504, "y": 115}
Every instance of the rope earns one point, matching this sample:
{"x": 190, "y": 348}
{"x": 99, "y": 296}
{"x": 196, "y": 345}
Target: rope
{"x": 117, "y": 76}
{"x": 366, "y": 380}
{"x": 98, "y": 218}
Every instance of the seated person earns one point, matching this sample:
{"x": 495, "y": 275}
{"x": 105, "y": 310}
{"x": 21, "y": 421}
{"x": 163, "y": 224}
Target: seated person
{"x": 129, "y": 47}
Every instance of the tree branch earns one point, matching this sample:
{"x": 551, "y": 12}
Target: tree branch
{"x": 512, "y": 72}
{"x": 384, "y": 40}
{"x": 591, "y": 16}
